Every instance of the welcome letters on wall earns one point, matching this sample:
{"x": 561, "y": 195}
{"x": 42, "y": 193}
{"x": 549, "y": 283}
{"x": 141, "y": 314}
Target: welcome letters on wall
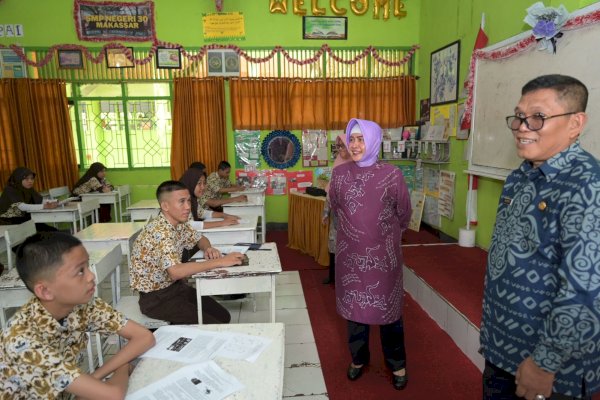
{"x": 108, "y": 20}
{"x": 358, "y": 7}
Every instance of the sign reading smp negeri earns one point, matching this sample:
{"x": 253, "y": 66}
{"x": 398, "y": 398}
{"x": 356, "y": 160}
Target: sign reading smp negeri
{"x": 108, "y": 20}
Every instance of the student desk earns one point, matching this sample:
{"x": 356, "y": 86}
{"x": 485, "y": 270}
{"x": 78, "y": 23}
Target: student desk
{"x": 13, "y": 293}
{"x": 116, "y": 197}
{"x": 244, "y": 232}
{"x": 306, "y": 231}
{"x": 263, "y": 379}
{"x": 258, "y": 276}
{"x": 254, "y": 206}
{"x": 141, "y": 210}
{"x": 251, "y": 193}
{"x": 66, "y": 213}
{"x": 107, "y": 233}
{"x": 3, "y": 229}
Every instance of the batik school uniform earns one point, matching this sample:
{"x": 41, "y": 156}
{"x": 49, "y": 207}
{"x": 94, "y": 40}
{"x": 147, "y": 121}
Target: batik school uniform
{"x": 95, "y": 185}
{"x": 40, "y": 356}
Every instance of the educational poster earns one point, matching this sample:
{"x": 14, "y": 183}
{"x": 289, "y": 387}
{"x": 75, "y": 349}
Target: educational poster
{"x": 409, "y": 176}
{"x": 322, "y": 176}
{"x": 332, "y": 143}
{"x": 417, "y": 202}
{"x": 431, "y": 215}
{"x": 391, "y": 147}
{"x": 419, "y": 177}
{"x": 252, "y": 178}
{"x": 314, "y": 148}
{"x": 298, "y": 181}
{"x": 223, "y": 26}
{"x": 11, "y": 66}
{"x": 431, "y": 179}
{"x": 247, "y": 148}
{"x": 446, "y": 199}
{"x": 445, "y": 116}
{"x": 277, "y": 183}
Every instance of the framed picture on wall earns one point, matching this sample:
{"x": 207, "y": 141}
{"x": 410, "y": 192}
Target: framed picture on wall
{"x": 168, "y": 58}
{"x": 117, "y": 58}
{"x": 71, "y": 59}
{"x": 325, "y": 28}
{"x": 223, "y": 63}
{"x": 444, "y": 74}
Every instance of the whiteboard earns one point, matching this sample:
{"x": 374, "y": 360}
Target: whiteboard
{"x": 497, "y": 91}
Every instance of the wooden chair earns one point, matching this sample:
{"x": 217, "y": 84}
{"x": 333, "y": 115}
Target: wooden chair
{"x": 58, "y": 192}
{"x": 88, "y": 209}
{"x": 15, "y": 236}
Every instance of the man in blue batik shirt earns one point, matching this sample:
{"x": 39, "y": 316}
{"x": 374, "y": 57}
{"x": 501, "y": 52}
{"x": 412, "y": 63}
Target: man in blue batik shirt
{"x": 540, "y": 332}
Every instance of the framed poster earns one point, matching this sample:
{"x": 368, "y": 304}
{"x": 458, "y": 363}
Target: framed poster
{"x": 223, "y": 63}
{"x": 11, "y": 65}
{"x": 72, "y": 59}
{"x": 117, "y": 58}
{"x": 444, "y": 74}
{"x": 325, "y": 28}
{"x": 168, "y": 58}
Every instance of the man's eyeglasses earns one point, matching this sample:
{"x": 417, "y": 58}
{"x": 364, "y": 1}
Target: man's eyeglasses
{"x": 534, "y": 122}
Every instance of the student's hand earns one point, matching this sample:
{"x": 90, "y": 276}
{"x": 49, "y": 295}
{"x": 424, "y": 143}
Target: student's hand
{"x": 532, "y": 380}
{"x": 211, "y": 253}
{"x": 232, "y": 259}
{"x": 106, "y": 189}
{"x": 240, "y": 199}
{"x": 229, "y": 216}
{"x": 50, "y": 205}
{"x": 229, "y": 221}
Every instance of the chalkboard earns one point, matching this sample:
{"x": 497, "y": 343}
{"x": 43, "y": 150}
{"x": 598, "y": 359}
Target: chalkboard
{"x": 498, "y": 89}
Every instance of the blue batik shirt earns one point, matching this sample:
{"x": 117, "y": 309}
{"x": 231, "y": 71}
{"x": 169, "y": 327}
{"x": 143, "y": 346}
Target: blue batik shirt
{"x": 542, "y": 285}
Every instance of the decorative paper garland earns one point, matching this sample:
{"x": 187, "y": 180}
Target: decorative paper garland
{"x": 265, "y": 149}
{"x": 514, "y": 49}
{"x": 203, "y": 50}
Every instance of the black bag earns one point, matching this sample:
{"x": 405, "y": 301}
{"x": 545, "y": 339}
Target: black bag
{"x": 315, "y": 191}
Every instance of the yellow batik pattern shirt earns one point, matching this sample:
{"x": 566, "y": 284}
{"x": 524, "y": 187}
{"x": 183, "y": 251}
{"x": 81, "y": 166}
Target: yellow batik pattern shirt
{"x": 214, "y": 183}
{"x": 159, "y": 246}
{"x": 40, "y": 356}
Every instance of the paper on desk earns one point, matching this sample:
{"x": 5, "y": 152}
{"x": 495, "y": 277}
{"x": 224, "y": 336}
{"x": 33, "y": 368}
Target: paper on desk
{"x": 240, "y": 346}
{"x": 67, "y": 200}
{"x": 199, "y": 255}
{"x": 199, "y": 381}
{"x": 185, "y": 344}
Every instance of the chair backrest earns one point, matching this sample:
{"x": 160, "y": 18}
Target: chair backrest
{"x": 17, "y": 235}
{"x": 58, "y": 192}
{"x": 88, "y": 208}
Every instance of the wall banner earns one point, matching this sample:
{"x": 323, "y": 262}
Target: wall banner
{"x": 110, "y": 20}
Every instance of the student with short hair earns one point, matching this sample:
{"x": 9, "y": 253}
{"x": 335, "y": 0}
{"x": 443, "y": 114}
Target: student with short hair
{"x": 94, "y": 180}
{"x": 42, "y": 347}
{"x": 157, "y": 271}
{"x": 218, "y": 184}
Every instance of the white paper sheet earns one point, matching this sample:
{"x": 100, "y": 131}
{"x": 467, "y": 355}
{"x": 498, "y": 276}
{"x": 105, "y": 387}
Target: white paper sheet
{"x": 205, "y": 381}
{"x": 240, "y": 346}
{"x": 199, "y": 255}
{"x": 185, "y": 344}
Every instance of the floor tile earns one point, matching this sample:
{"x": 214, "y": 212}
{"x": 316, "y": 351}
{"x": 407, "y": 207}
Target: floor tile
{"x": 303, "y": 381}
{"x": 291, "y": 316}
{"x": 301, "y": 355}
{"x": 289, "y": 289}
{"x": 299, "y": 334}
{"x": 288, "y": 277}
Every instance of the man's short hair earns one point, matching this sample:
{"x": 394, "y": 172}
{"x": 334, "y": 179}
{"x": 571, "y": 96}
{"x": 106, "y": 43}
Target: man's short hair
{"x": 168, "y": 187}
{"x": 568, "y": 89}
{"x": 42, "y": 254}
{"x": 198, "y": 165}
{"x": 223, "y": 165}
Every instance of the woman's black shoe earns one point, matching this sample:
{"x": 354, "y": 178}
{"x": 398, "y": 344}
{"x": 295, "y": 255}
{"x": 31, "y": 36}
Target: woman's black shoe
{"x": 327, "y": 281}
{"x": 354, "y": 373}
{"x": 399, "y": 382}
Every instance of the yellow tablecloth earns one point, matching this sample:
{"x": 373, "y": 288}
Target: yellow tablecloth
{"x": 305, "y": 230}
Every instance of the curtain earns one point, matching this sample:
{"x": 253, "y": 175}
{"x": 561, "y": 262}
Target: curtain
{"x": 199, "y": 132}
{"x": 322, "y": 104}
{"x": 35, "y": 131}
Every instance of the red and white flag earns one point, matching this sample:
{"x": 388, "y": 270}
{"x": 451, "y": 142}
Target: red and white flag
{"x": 472, "y": 201}
{"x": 480, "y": 42}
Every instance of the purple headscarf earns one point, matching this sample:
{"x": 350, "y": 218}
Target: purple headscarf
{"x": 372, "y": 136}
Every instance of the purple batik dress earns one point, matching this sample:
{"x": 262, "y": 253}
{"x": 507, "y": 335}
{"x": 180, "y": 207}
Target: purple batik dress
{"x": 372, "y": 206}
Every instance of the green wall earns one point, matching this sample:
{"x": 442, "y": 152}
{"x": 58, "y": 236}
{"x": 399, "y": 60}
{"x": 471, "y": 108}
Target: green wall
{"x": 459, "y": 20}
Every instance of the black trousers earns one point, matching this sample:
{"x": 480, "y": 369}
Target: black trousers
{"x": 178, "y": 305}
{"x": 392, "y": 342}
{"x": 332, "y": 267}
{"x": 500, "y": 385}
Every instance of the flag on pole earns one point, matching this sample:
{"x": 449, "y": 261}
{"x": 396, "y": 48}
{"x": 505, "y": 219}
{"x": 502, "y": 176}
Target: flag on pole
{"x": 472, "y": 201}
{"x": 480, "y": 42}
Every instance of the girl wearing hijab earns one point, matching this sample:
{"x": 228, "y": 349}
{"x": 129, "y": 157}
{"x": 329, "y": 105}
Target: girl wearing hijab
{"x": 343, "y": 157}
{"x": 371, "y": 203}
{"x": 94, "y": 180}
{"x": 19, "y": 197}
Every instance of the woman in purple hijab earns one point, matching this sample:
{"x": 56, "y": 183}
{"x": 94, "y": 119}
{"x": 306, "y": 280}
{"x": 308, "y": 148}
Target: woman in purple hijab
{"x": 372, "y": 205}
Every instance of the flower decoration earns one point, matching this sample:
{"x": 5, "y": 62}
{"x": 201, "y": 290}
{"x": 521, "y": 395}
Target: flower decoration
{"x": 219, "y": 5}
{"x": 546, "y": 23}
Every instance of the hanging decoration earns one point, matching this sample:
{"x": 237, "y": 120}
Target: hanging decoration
{"x": 110, "y": 20}
{"x": 278, "y": 6}
{"x": 578, "y": 22}
{"x": 316, "y": 10}
{"x": 298, "y": 10}
{"x": 370, "y": 50}
{"x": 359, "y": 7}
{"x": 335, "y": 10}
{"x": 281, "y": 149}
{"x": 546, "y": 23}
{"x": 219, "y": 5}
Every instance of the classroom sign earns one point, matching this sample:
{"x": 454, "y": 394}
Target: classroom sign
{"x": 110, "y": 20}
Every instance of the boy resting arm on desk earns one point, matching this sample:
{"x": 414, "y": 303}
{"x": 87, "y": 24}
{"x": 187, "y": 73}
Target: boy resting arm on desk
{"x": 41, "y": 349}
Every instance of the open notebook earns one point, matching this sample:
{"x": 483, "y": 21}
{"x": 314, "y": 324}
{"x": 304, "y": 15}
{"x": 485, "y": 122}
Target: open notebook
{"x": 199, "y": 255}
